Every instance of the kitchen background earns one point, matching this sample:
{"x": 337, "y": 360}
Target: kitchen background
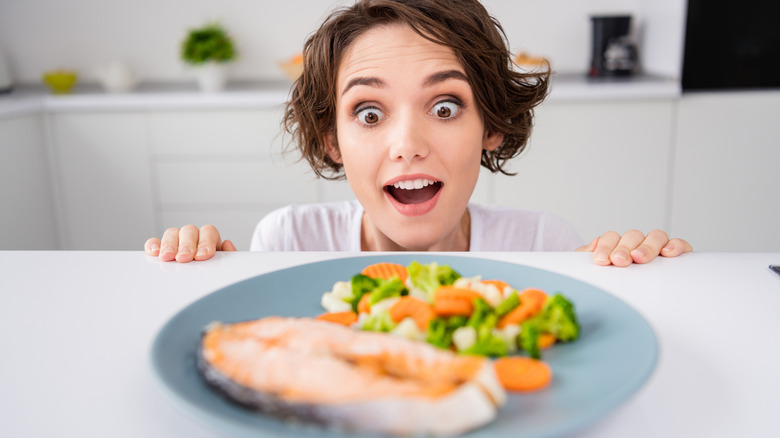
{"x": 95, "y": 170}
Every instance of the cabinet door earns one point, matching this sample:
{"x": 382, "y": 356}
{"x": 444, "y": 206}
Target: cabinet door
{"x": 103, "y": 172}
{"x": 726, "y": 171}
{"x": 601, "y": 166}
{"x": 224, "y": 168}
{"x": 27, "y": 218}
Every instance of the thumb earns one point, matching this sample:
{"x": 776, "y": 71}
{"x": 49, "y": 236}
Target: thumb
{"x": 228, "y": 246}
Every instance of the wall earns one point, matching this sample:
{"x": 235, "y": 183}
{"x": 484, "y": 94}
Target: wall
{"x": 45, "y": 34}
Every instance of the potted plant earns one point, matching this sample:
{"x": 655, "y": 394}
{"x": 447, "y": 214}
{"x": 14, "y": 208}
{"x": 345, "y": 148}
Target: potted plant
{"x": 210, "y": 49}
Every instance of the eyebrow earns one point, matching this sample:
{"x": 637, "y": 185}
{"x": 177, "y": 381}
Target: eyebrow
{"x": 430, "y": 81}
{"x": 440, "y": 77}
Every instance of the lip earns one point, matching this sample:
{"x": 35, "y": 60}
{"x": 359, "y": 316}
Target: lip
{"x": 412, "y": 209}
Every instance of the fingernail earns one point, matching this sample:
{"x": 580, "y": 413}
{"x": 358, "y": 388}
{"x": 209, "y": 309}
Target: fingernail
{"x": 602, "y": 256}
{"x": 167, "y": 250}
{"x": 185, "y": 250}
{"x": 202, "y": 250}
{"x": 154, "y": 247}
{"x": 640, "y": 252}
{"x": 620, "y": 255}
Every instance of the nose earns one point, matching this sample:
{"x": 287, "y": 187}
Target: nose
{"x": 409, "y": 139}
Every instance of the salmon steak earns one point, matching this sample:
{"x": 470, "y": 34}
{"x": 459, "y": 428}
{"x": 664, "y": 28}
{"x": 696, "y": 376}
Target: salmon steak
{"x": 303, "y": 369}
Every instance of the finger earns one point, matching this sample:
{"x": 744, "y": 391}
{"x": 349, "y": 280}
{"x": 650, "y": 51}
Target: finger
{"x": 604, "y": 247}
{"x": 650, "y": 247}
{"x": 188, "y": 241}
{"x": 621, "y": 255}
{"x": 228, "y": 246}
{"x": 152, "y": 246}
{"x": 589, "y": 247}
{"x": 208, "y": 242}
{"x": 676, "y": 247}
{"x": 169, "y": 244}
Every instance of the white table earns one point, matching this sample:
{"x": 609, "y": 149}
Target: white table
{"x": 76, "y": 330}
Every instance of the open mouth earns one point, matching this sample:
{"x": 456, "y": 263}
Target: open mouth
{"x": 412, "y": 192}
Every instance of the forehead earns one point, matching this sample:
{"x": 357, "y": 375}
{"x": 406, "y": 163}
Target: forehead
{"x": 394, "y": 48}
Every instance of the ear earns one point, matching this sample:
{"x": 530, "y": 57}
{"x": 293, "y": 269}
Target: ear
{"x": 492, "y": 140}
{"x": 332, "y": 147}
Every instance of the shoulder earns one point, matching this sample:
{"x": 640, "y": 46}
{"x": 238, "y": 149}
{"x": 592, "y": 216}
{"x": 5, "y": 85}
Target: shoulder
{"x": 309, "y": 227}
{"x": 501, "y": 228}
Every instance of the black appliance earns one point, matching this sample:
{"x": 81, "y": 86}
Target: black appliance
{"x": 732, "y": 45}
{"x": 612, "y": 51}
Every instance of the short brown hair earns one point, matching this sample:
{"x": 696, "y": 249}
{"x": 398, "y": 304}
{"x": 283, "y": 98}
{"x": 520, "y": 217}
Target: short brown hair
{"x": 506, "y": 97}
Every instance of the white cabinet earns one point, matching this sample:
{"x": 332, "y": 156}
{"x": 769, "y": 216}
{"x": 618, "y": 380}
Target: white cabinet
{"x": 26, "y": 207}
{"x": 226, "y": 168}
{"x": 700, "y": 166}
{"x": 104, "y": 180}
{"x": 726, "y": 176}
{"x": 600, "y": 165}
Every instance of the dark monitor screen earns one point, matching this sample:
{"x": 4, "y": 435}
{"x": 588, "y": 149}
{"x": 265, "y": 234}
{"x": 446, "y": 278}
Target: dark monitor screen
{"x": 732, "y": 45}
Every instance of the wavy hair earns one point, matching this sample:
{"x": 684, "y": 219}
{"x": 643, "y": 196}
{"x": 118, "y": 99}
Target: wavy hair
{"x": 506, "y": 97}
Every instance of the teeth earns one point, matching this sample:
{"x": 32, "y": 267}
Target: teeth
{"x": 412, "y": 184}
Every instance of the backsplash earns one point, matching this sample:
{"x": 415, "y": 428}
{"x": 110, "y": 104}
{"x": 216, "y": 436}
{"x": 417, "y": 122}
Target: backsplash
{"x": 40, "y": 35}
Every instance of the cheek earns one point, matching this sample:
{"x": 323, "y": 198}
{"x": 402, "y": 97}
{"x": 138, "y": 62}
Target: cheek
{"x": 358, "y": 153}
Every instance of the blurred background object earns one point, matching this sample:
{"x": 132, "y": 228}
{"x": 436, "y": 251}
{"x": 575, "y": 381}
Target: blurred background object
{"x": 6, "y": 81}
{"x": 292, "y": 67}
{"x": 209, "y": 49}
{"x": 613, "y": 53}
{"x": 60, "y": 81}
{"x": 732, "y": 46}
{"x": 116, "y": 77}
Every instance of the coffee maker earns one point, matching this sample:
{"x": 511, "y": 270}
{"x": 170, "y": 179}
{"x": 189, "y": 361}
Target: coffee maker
{"x": 613, "y": 53}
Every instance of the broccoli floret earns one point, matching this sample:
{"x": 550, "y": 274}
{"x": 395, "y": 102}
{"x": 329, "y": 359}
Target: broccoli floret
{"x": 361, "y": 285}
{"x": 488, "y": 343}
{"x": 528, "y": 339}
{"x": 508, "y": 304}
{"x": 428, "y": 278}
{"x": 386, "y": 289}
{"x": 557, "y": 317}
{"x": 482, "y": 315}
{"x": 440, "y": 330}
{"x": 380, "y": 322}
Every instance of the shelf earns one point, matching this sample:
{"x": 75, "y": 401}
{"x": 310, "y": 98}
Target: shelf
{"x": 30, "y": 99}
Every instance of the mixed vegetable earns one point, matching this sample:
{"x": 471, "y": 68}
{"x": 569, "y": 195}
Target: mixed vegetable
{"x": 434, "y": 303}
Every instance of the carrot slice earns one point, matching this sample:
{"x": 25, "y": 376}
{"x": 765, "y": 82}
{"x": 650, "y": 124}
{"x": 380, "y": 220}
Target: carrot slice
{"x": 386, "y": 271}
{"x": 364, "y": 305}
{"x": 451, "y": 300}
{"x": 452, "y": 307}
{"x": 518, "y": 373}
{"x": 546, "y": 340}
{"x": 345, "y": 318}
{"x": 421, "y": 311}
{"x": 531, "y": 303}
{"x": 458, "y": 293}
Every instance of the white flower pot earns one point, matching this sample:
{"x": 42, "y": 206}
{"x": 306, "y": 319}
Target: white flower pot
{"x": 212, "y": 77}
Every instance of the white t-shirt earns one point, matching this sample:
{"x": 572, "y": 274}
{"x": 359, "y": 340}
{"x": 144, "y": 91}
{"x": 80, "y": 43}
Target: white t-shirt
{"x": 336, "y": 226}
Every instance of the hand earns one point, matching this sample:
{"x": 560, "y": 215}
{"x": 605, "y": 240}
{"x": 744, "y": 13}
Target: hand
{"x": 180, "y": 244}
{"x": 634, "y": 247}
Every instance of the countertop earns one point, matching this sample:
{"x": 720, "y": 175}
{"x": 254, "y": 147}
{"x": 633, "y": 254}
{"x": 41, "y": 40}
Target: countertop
{"x": 28, "y": 99}
{"x": 78, "y": 328}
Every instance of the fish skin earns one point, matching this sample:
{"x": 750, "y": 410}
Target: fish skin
{"x": 435, "y": 406}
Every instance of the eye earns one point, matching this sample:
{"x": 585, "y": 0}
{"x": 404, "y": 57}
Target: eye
{"x": 369, "y": 115}
{"x": 446, "y": 109}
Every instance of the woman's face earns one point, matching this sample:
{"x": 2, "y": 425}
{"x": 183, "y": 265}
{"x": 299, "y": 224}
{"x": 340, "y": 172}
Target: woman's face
{"x": 410, "y": 137}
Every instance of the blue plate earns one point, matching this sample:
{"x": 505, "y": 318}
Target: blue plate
{"x": 614, "y": 356}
